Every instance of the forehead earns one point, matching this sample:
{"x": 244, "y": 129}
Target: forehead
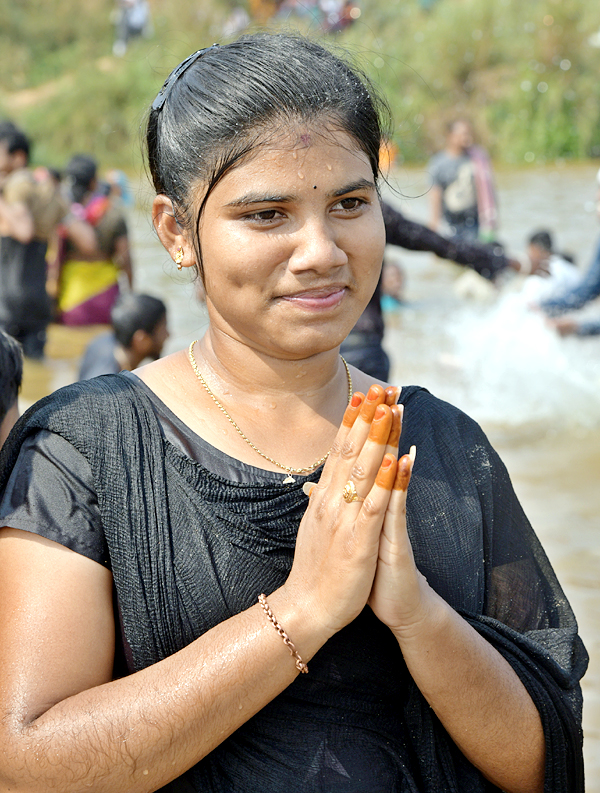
{"x": 291, "y": 154}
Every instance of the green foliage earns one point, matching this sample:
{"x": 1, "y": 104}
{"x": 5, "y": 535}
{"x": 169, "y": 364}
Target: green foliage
{"x": 525, "y": 73}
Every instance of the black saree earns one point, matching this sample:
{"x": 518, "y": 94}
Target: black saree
{"x": 189, "y": 549}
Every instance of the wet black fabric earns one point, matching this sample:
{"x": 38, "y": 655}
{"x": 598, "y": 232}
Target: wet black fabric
{"x": 487, "y": 260}
{"x": 51, "y": 490}
{"x": 189, "y": 549}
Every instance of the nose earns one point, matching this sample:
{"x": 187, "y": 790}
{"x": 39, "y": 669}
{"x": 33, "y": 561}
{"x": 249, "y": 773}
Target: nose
{"x": 317, "y": 247}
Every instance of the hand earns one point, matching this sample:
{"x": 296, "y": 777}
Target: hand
{"x": 566, "y": 326}
{"x": 338, "y": 542}
{"x": 401, "y": 597}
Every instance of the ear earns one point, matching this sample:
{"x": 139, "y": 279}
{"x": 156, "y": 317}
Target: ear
{"x": 170, "y": 232}
{"x": 141, "y": 342}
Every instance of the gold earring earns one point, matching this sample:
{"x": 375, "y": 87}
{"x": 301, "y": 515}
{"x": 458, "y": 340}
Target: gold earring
{"x": 179, "y": 258}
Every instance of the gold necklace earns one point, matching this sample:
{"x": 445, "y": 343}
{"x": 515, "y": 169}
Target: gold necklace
{"x": 290, "y": 470}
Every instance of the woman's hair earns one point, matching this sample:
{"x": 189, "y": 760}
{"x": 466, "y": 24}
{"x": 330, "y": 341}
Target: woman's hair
{"x": 227, "y": 101}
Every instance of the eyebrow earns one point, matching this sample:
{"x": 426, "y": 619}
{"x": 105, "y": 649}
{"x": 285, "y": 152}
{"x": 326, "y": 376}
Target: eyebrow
{"x": 265, "y": 198}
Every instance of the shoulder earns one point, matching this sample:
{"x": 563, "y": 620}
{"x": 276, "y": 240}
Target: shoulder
{"x": 18, "y": 187}
{"x": 442, "y": 167}
{"x": 420, "y": 400}
{"x": 83, "y": 413}
{"x": 436, "y": 161}
{"x": 430, "y": 420}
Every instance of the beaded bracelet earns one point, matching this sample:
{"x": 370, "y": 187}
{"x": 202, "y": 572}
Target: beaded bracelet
{"x": 300, "y": 665}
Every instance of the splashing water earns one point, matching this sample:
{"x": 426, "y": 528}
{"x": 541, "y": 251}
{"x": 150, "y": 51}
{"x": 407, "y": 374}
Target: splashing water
{"x": 515, "y": 370}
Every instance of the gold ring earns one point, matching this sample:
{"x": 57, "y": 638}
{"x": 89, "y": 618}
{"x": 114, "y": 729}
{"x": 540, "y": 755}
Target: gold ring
{"x": 350, "y": 493}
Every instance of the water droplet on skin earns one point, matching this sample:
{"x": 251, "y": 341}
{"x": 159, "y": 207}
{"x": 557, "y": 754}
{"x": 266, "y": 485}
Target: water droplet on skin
{"x": 328, "y": 167}
{"x": 273, "y": 405}
{"x": 295, "y": 154}
{"x": 300, "y": 175}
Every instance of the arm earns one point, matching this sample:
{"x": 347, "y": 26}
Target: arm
{"x": 122, "y": 257}
{"x": 16, "y": 221}
{"x": 435, "y": 206}
{"x": 66, "y": 725}
{"x": 586, "y": 290}
{"x": 568, "y": 326}
{"x": 136, "y": 733}
{"x": 83, "y": 237}
{"x": 474, "y": 692}
{"x": 487, "y": 260}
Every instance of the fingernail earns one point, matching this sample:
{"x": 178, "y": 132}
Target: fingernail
{"x": 387, "y": 461}
{"x": 356, "y": 400}
{"x": 374, "y": 392}
{"x": 392, "y": 394}
{"x": 380, "y": 412}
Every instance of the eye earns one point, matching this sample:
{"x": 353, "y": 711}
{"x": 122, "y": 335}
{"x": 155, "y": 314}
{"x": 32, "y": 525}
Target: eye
{"x": 351, "y": 204}
{"x": 264, "y": 216}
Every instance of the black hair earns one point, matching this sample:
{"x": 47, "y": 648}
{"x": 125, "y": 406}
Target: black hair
{"x": 79, "y": 174}
{"x": 543, "y": 239}
{"x": 11, "y": 372}
{"x": 134, "y": 312}
{"x": 14, "y": 138}
{"x": 238, "y": 97}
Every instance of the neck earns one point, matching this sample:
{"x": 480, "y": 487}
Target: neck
{"x": 233, "y": 366}
{"x": 127, "y": 359}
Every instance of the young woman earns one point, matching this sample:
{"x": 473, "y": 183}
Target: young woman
{"x": 176, "y": 609}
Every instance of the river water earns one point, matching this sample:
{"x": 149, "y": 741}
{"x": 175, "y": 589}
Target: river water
{"x": 535, "y": 394}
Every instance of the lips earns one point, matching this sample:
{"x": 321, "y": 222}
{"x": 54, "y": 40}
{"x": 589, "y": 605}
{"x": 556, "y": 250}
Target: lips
{"x": 317, "y": 299}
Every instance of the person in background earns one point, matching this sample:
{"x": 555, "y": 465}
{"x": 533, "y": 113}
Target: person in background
{"x": 550, "y": 273}
{"x": 393, "y": 280}
{"x": 586, "y": 290}
{"x": 363, "y": 346}
{"x": 30, "y": 210}
{"x": 139, "y": 331}
{"x": 88, "y": 285}
{"x": 463, "y": 190}
{"x": 11, "y": 374}
{"x": 132, "y": 21}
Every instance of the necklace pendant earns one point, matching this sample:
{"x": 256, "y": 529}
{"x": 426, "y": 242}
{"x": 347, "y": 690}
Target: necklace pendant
{"x": 289, "y": 480}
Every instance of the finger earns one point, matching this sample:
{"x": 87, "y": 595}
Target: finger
{"x": 370, "y": 514}
{"x": 392, "y": 394}
{"x": 308, "y": 487}
{"x": 405, "y": 466}
{"x": 352, "y": 435}
{"x": 350, "y": 415}
{"x": 352, "y": 409}
{"x": 386, "y": 475}
{"x": 395, "y": 520}
{"x": 380, "y": 493}
{"x": 362, "y": 474}
{"x": 394, "y": 439}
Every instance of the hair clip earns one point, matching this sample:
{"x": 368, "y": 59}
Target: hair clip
{"x": 176, "y": 74}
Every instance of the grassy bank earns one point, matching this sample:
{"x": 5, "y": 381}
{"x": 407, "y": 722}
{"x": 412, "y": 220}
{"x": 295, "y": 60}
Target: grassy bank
{"x": 526, "y": 74}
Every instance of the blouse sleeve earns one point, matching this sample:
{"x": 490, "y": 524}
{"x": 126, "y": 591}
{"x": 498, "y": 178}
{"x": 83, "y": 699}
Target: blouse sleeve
{"x": 50, "y": 493}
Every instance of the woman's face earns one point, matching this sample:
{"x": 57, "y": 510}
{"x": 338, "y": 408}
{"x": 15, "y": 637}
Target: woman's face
{"x": 292, "y": 243}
